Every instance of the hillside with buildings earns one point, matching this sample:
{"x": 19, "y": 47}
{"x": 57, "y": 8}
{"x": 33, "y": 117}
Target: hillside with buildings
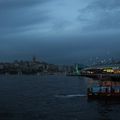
{"x": 32, "y": 67}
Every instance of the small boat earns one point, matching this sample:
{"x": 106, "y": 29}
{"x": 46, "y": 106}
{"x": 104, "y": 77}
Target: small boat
{"x": 104, "y": 91}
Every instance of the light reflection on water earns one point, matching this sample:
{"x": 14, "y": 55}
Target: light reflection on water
{"x": 34, "y": 98}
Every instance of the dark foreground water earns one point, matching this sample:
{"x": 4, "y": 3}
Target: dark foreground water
{"x": 51, "y": 98}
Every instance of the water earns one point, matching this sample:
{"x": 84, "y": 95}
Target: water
{"x": 51, "y": 98}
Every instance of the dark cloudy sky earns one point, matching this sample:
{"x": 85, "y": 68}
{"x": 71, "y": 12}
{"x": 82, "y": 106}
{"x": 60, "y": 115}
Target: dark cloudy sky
{"x": 59, "y": 31}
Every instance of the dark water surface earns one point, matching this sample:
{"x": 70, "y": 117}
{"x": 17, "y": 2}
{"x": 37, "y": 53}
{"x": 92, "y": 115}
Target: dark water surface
{"x": 51, "y": 98}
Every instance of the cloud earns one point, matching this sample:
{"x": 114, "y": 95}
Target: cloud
{"x": 11, "y": 4}
{"x": 104, "y": 4}
{"x": 16, "y": 16}
{"x": 101, "y": 15}
{"x": 59, "y": 29}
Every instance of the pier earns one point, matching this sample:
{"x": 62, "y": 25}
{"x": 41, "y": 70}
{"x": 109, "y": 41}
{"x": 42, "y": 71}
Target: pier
{"x": 112, "y": 73}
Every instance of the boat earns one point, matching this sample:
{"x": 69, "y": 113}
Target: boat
{"x": 104, "y": 91}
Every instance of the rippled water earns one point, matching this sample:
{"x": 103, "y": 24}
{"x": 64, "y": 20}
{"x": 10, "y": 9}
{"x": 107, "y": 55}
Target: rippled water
{"x": 51, "y": 98}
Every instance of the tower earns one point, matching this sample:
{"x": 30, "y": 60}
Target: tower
{"x": 34, "y": 59}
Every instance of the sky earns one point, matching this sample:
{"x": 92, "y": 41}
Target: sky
{"x": 59, "y": 31}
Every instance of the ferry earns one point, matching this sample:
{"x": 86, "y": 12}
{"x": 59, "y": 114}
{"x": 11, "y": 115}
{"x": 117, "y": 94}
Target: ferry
{"x": 104, "y": 91}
